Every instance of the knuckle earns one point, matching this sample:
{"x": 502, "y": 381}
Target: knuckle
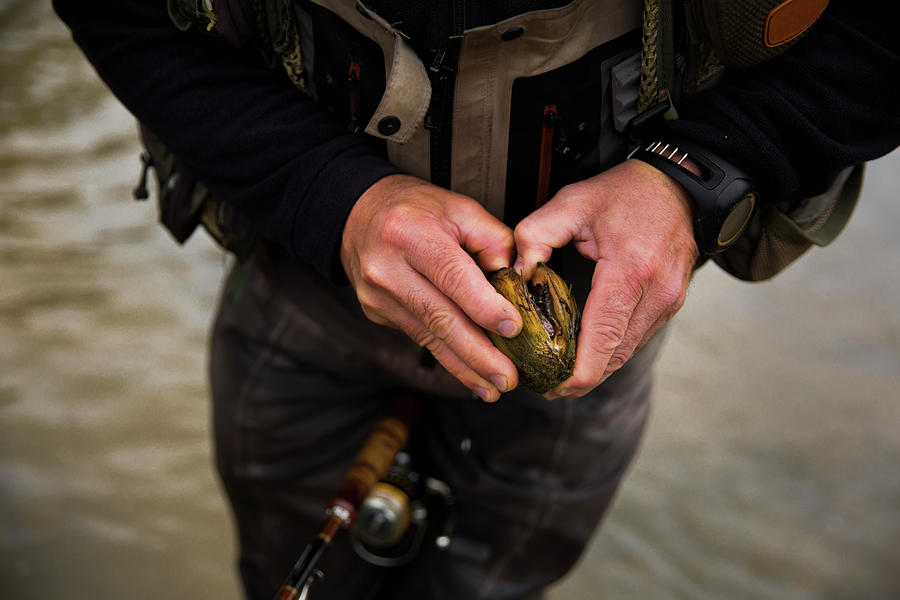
{"x": 565, "y": 191}
{"x": 373, "y": 274}
{"x": 438, "y": 323}
{"x": 417, "y": 301}
{"x": 578, "y": 386}
{"x": 617, "y": 361}
{"x": 679, "y": 302}
{"x": 450, "y": 275}
{"x": 526, "y": 229}
{"x": 367, "y": 300}
{"x": 608, "y": 330}
{"x": 673, "y": 295}
{"x": 398, "y": 228}
{"x": 643, "y": 270}
{"x": 667, "y": 295}
{"x": 428, "y": 341}
{"x": 373, "y": 315}
{"x": 633, "y": 289}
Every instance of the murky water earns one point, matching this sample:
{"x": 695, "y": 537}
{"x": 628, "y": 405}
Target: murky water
{"x": 771, "y": 467}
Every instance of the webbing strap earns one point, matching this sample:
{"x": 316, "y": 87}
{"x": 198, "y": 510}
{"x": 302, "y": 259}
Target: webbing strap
{"x": 649, "y": 95}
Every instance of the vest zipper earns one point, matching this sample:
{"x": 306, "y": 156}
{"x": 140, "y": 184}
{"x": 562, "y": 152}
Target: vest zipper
{"x": 459, "y": 17}
{"x": 439, "y": 120}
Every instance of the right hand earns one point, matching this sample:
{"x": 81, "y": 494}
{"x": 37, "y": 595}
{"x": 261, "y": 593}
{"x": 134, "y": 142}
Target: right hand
{"x": 416, "y": 254}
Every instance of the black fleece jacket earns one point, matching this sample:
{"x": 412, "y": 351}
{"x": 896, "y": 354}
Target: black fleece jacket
{"x": 256, "y": 142}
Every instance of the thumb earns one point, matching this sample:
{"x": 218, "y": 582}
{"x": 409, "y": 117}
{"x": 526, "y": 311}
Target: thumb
{"x": 484, "y": 236}
{"x": 538, "y": 234}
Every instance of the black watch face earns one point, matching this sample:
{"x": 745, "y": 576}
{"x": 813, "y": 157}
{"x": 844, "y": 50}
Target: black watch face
{"x": 737, "y": 220}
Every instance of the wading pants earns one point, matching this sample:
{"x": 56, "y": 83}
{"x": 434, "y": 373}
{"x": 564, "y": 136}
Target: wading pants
{"x": 299, "y": 376}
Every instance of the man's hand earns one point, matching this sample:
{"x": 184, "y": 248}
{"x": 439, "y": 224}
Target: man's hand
{"x": 635, "y": 222}
{"x": 408, "y": 249}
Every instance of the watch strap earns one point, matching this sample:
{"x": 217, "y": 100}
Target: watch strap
{"x": 715, "y": 193}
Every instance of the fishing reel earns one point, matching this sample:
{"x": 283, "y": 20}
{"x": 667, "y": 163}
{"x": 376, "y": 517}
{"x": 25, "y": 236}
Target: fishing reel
{"x": 389, "y": 508}
{"x": 401, "y": 512}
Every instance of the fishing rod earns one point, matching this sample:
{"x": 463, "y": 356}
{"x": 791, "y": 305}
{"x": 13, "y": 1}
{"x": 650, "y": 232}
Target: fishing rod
{"x": 389, "y": 435}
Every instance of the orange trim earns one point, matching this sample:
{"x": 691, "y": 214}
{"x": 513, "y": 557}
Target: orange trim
{"x": 288, "y": 593}
{"x": 546, "y": 156}
{"x": 330, "y": 528}
{"x": 790, "y": 19}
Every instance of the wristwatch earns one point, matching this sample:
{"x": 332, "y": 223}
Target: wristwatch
{"x": 723, "y": 196}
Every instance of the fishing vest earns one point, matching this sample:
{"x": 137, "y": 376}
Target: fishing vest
{"x": 510, "y": 112}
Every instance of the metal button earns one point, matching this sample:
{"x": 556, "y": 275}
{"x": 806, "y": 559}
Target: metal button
{"x": 511, "y": 34}
{"x": 389, "y": 125}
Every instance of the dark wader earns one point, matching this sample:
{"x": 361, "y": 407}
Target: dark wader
{"x": 298, "y": 376}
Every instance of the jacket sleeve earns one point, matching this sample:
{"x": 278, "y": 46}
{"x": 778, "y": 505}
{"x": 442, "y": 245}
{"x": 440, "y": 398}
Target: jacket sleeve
{"x": 240, "y": 127}
{"x": 796, "y": 121}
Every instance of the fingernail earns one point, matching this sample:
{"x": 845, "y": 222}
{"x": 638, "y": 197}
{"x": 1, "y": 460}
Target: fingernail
{"x": 500, "y": 382}
{"x": 507, "y": 328}
{"x": 482, "y": 393}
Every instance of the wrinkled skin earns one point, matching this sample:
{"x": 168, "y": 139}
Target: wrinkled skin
{"x": 635, "y": 223}
{"x": 416, "y": 256}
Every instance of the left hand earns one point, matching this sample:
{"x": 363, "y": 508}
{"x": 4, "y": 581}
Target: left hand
{"x": 635, "y": 223}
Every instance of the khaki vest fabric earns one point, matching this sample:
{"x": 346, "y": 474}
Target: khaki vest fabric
{"x": 487, "y": 68}
{"x": 491, "y": 61}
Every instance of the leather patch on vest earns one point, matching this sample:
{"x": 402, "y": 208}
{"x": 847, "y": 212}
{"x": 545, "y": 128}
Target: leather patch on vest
{"x": 790, "y": 19}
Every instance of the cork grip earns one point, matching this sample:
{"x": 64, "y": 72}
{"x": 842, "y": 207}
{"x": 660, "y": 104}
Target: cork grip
{"x": 375, "y": 457}
{"x": 371, "y": 463}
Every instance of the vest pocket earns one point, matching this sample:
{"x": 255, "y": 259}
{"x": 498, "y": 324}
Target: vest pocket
{"x": 347, "y": 69}
{"x": 561, "y": 128}
{"x": 774, "y": 240}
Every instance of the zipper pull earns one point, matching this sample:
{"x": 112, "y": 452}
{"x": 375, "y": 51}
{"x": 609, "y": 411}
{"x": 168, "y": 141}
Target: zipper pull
{"x": 437, "y": 63}
{"x": 140, "y": 191}
{"x": 439, "y": 73}
{"x": 555, "y": 122}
